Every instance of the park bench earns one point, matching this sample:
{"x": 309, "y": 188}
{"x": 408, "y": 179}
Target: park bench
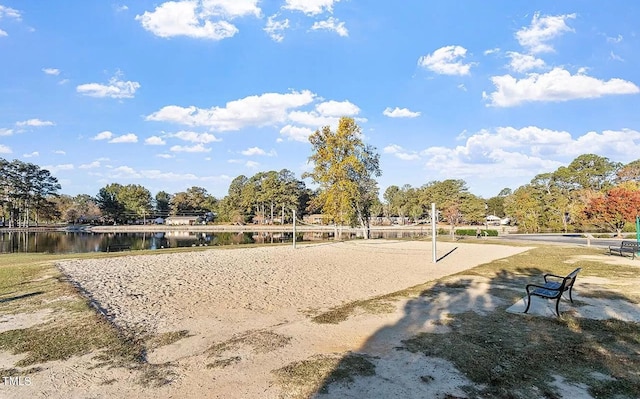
{"x": 625, "y": 246}
{"x": 552, "y": 289}
{"x": 118, "y": 247}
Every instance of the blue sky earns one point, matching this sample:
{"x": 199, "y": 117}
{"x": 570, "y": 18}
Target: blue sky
{"x": 171, "y": 95}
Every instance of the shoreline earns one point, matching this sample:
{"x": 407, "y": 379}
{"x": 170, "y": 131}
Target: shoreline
{"x": 287, "y": 228}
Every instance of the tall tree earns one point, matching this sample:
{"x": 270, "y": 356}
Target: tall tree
{"x": 25, "y": 189}
{"x": 614, "y": 209}
{"x": 587, "y": 171}
{"x": 344, "y": 168}
{"x": 526, "y": 206}
{"x": 629, "y": 172}
{"x": 112, "y": 209}
{"x": 162, "y": 204}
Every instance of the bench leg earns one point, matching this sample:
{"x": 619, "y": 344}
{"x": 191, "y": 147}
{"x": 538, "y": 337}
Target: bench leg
{"x": 570, "y": 297}
{"x": 528, "y": 303}
{"x": 557, "y": 306}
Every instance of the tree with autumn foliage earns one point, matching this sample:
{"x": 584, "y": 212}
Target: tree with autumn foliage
{"x": 344, "y": 168}
{"x": 615, "y": 208}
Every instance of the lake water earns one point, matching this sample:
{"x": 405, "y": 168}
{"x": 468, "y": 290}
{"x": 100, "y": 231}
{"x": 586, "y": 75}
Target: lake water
{"x": 80, "y": 242}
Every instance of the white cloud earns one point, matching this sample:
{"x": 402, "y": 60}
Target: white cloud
{"x": 508, "y": 152}
{"x": 462, "y": 87}
{"x": 31, "y": 155}
{"x": 120, "y": 8}
{"x": 401, "y": 153}
{"x": 6, "y": 132}
{"x": 3, "y": 33}
{"x": 115, "y": 88}
{"x": 616, "y": 57}
{"x": 60, "y": 152}
{"x": 313, "y": 119}
{"x": 127, "y": 172}
{"x": 524, "y": 62}
{"x": 202, "y": 19}
{"x": 446, "y": 61}
{"x": 251, "y": 164}
{"x": 310, "y": 7}
{"x": 622, "y": 144}
{"x": 106, "y": 135}
{"x": 92, "y": 165}
{"x": 4, "y": 149}
{"x": 231, "y": 8}
{"x": 543, "y": 29}
{"x": 51, "y": 71}
{"x": 492, "y": 51}
{"x": 400, "y": 113}
{"x": 194, "y": 137}
{"x": 154, "y": 140}
{"x": 9, "y": 12}
{"x": 165, "y": 156}
{"x": 253, "y": 151}
{"x": 296, "y": 133}
{"x": 615, "y": 40}
{"x": 257, "y": 151}
{"x": 194, "y": 148}
{"x": 327, "y": 113}
{"x": 58, "y": 168}
{"x": 125, "y": 138}
{"x": 35, "y": 123}
{"x": 124, "y": 172}
{"x": 337, "y": 108}
{"x": 331, "y": 24}
{"x": 275, "y": 28}
{"x": 262, "y": 110}
{"x": 555, "y": 85}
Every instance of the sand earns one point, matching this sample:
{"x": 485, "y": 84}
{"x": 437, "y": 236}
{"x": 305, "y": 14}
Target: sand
{"x": 257, "y": 298}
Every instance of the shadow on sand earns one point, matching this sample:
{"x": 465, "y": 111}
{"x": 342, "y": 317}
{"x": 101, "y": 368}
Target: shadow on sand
{"x": 455, "y": 340}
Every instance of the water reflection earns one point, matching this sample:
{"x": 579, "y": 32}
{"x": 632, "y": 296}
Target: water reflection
{"x": 79, "y": 242}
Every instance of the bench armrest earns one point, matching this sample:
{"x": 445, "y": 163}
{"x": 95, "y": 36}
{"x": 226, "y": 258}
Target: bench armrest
{"x": 552, "y": 275}
{"x": 539, "y": 286}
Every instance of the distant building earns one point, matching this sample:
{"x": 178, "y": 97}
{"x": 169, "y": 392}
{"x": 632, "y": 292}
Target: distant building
{"x": 316, "y": 218}
{"x": 181, "y": 220}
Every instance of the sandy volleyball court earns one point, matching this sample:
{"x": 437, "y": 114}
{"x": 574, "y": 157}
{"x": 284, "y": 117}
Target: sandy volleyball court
{"x": 241, "y": 301}
{"x": 228, "y": 290}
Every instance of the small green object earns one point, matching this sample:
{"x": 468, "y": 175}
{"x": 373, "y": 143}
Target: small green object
{"x": 638, "y": 232}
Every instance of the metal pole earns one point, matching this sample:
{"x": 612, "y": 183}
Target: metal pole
{"x": 433, "y": 231}
{"x": 294, "y": 229}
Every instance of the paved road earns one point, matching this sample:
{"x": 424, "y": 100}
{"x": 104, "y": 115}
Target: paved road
{"x": 572, "y": 239}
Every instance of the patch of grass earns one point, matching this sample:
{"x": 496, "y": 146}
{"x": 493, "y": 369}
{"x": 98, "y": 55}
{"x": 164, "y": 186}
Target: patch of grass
{"x": 168, "y": 338}
{"x": 302, "y": 379}
{"x": 513, "y": 356}
{"x": 260, "y": 341}
{"x": 58, "y": 341}
{"x": 222, "y": 363}
{"x": 31, "y": 282}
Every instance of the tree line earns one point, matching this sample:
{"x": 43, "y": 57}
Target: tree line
{"x": 591, "y": 192}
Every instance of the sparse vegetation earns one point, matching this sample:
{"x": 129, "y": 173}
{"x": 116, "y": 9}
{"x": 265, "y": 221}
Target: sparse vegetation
{"x": 303, "y": 378}
{"x": 514, "y": 356}
{"x": 259, "y": 341}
